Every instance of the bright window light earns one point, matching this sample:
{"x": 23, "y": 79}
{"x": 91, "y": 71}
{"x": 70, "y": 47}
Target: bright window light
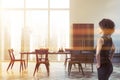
{"x": 12, "y": 21}
{"x": 59, "y": 27}
{"x": 12, "y": 3}
{"x": 36, "y": 3}
{"x": 59, "y": 3}
{"x": 30, "y": 24}
{"x": 37, "y": 22}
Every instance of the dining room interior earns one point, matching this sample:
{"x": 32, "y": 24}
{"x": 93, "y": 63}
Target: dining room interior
{"x": 39, "y": 37}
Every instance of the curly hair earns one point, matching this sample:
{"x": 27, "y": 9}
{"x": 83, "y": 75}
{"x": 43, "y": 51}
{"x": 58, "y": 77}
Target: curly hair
{"x": 107, "y": 26}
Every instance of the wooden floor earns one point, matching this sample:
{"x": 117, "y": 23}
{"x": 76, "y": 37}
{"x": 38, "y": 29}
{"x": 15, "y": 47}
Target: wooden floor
{"x": 57, "y": 72}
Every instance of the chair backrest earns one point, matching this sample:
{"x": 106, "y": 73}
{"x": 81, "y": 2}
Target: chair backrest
{"x": 41, "y": 54}
{"x": 89, "y": 54}
{"x": 89, "y": 58}
{"x": 82, "y": 57}
{"x": 75, "y": 55}
{"x": 11, "y": 54}
{"x": 69, "y": 51}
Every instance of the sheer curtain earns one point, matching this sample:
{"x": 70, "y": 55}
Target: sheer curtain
{"x": 26, "y": 25}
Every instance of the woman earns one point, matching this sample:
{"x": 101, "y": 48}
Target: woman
{"x": 105, "y": 50}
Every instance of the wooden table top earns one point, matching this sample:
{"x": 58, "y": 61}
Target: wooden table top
{"x": 48, "y": 52}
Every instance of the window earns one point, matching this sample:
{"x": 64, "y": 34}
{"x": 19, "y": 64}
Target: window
{"x": 29, "y": 24}
{"x": 36, "y": 3}
{"x": 12, "y": 3}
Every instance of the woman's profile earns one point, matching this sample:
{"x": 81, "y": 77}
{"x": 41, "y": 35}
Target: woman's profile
{"x": 105, "y": 50}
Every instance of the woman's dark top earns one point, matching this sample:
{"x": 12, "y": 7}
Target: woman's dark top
{"x": 106, "y": 50}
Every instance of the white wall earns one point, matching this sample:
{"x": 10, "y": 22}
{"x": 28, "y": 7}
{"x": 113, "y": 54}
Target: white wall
{"x": 85, "y": 11}
{"x": 92, "y": 11}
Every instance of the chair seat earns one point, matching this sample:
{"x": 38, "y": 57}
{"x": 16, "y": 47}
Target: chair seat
{"x": 19, "y": 60}
{"x": 74, "y": 62}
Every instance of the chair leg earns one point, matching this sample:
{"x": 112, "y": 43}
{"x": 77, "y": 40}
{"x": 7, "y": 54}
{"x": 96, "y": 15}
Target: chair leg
{"x": 36, "y": 67}
{"x": 74, "y": 65}
{"x": 20, "y": 65}
{"x": 12, "y": 64}
{"x": 85, "y": 65}
{"x": 24, "y": 64}
{"x": 79, "y": 66}
{"x": 69, "y": 68}
{"x": 9, "y": 65}
{"x": 47, "y": 67}
{"x": 92, "y": 66}
{"x": 81, "y": 69}
{"x": 65, "y": 63}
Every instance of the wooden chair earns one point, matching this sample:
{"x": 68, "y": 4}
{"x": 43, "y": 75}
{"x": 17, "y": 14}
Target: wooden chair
{"x": 79, "y": 58}
{"x": 41, "y": 58}
{"x": 13, "y": 59}
{"x": 76, "y": 58}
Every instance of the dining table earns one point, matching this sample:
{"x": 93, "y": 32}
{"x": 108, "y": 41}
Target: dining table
{"x": 49, "y": 53}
